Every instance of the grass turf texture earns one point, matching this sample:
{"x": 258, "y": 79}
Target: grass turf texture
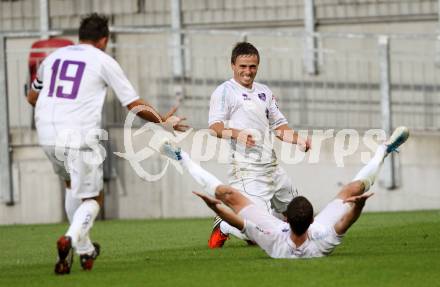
{"x": 382, "y": 249}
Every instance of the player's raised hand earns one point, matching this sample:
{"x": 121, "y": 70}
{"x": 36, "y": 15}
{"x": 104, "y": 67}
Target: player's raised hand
{"x": 304, "y": 144}
{"x": 172, "y": 122}
{"x": 359, "y": 199}
{"x": 211, "y": 202}
{"x": 246, "y": 138}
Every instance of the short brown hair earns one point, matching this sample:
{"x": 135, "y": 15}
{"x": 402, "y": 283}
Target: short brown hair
{"x": 93, "y": 27}
{"x": 299, "y": 214}
{"x": 244, "y": 48}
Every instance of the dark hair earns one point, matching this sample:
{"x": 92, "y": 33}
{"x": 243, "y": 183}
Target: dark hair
{"x": 244, "y": 48}
{"x": 299, "y": 214}
{"x": 93, "y": 27}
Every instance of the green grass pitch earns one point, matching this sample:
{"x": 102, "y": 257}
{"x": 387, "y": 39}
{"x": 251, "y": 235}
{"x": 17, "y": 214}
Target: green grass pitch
{"x": 381, "y": 249}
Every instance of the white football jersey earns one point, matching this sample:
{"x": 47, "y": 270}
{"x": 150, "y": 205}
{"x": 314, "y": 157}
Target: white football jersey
{"x": 72, "y": 85}
{"x": 248, "y": 109}
{"x": 274, "y": 235}
{"x": 276, "y": 241}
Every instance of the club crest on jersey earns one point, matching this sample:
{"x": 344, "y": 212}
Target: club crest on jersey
{"x": 262, "y": 97}
{"x": 246, "y": 97}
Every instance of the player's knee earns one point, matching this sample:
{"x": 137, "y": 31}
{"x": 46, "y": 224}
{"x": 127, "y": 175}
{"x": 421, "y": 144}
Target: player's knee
{"x": 352, "y": 189}
{"x": 99, "y": 199}
{"x": 226, "y": 194}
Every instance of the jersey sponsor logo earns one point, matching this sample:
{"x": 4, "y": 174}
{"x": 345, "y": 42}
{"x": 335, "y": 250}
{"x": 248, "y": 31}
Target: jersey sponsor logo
{"x": 246, "y": 97}
{"x": 297, "y": 252}
{"x": 262, "y": 97}
{"x": 265, "y": 232}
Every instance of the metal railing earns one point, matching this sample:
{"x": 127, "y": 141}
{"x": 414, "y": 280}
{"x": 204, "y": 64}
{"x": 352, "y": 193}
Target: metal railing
{"x": 18, "y": 15}
{"x": 353, "y": 75}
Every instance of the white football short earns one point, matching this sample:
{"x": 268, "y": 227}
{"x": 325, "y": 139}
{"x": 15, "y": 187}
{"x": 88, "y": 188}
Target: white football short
{"x": 268, "y": 186}
{"x": 83, "y": 168}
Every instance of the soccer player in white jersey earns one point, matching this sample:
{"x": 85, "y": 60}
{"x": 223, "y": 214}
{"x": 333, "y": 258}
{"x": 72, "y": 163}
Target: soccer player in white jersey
{"x": 302, "y": 236}
{"x": 251, "y": 112}
{"x": 68, "y": 95}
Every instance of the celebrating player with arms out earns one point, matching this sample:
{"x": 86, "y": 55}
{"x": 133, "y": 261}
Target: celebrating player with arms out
{"x": 253, "y": 116}
{"x": 302, "y": 236}
{"x": 68, "y": 95}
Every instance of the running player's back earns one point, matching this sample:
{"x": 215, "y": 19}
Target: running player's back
{"x": 74, "y": 88}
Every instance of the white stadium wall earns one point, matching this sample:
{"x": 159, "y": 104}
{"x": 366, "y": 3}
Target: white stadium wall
{"x": 344, "y": 94}
{"x": 39, "y": 194}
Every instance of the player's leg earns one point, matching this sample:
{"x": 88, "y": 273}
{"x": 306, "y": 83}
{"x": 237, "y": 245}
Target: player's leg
{"x": 222, "y": 229}
{"x": 211, "y": 185}
{"x": 86, "y": 184}
{"x": 208, "y": 181}
{"x": 84, "y": 245}
{"x": 65, "y": 251}
{"x": 353, "y": 195}
{"x": 71, "y": 203}
{"x": 284, "y": 192}
{"x": 263, "y": 231}
{"x": 254, "y": 188}
{"x": 369, "y": 172}
{"x": 341, "y": 214}
{"x": 271, "y": 192}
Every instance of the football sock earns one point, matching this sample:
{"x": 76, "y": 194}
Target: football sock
{"x": 83, "y": 220}
{"x": 84, "y": 245}
{"x": 227, "y": 229}
{"x": 203, "y": 177}
{"x": 71, "y": 204}
{"x": 369, "y": 172}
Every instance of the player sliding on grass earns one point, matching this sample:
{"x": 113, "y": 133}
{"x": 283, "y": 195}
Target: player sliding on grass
{"x": 68, "y": 95}
{"x": 302, "y": 236}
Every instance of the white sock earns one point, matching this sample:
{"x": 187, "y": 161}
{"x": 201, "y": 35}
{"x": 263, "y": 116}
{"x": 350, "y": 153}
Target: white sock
{"x": 369, "y": 172}
{"x": 71, "y": 204}
{"x": 84, "y": 245}
{"x": 83, "y": 220}
{"x": 204, "y": 178}
{"x": 227, "y": 229}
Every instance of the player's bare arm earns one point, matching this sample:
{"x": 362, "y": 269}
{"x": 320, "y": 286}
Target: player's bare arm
{"x": 229, "y": 133}
{"x": 354, "y": 213}
{"x": 148, "y": 113}
{"x": 231, "y": 197}
{"x": 286, "y": 134}
{"x": 352, "y": 193}
{"x": 32, "y": 97}
{"x": 224, "y": 212}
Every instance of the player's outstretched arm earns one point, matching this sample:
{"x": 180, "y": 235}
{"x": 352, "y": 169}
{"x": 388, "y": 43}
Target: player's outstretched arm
{"x": 148, "y": 113}
{"x": 231, "y": 197}
{"x": 225, "y": 213}
{"x": 243, "y": 137}
{"x": 353, "y": 214}
{"x": 288, "y": 135}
